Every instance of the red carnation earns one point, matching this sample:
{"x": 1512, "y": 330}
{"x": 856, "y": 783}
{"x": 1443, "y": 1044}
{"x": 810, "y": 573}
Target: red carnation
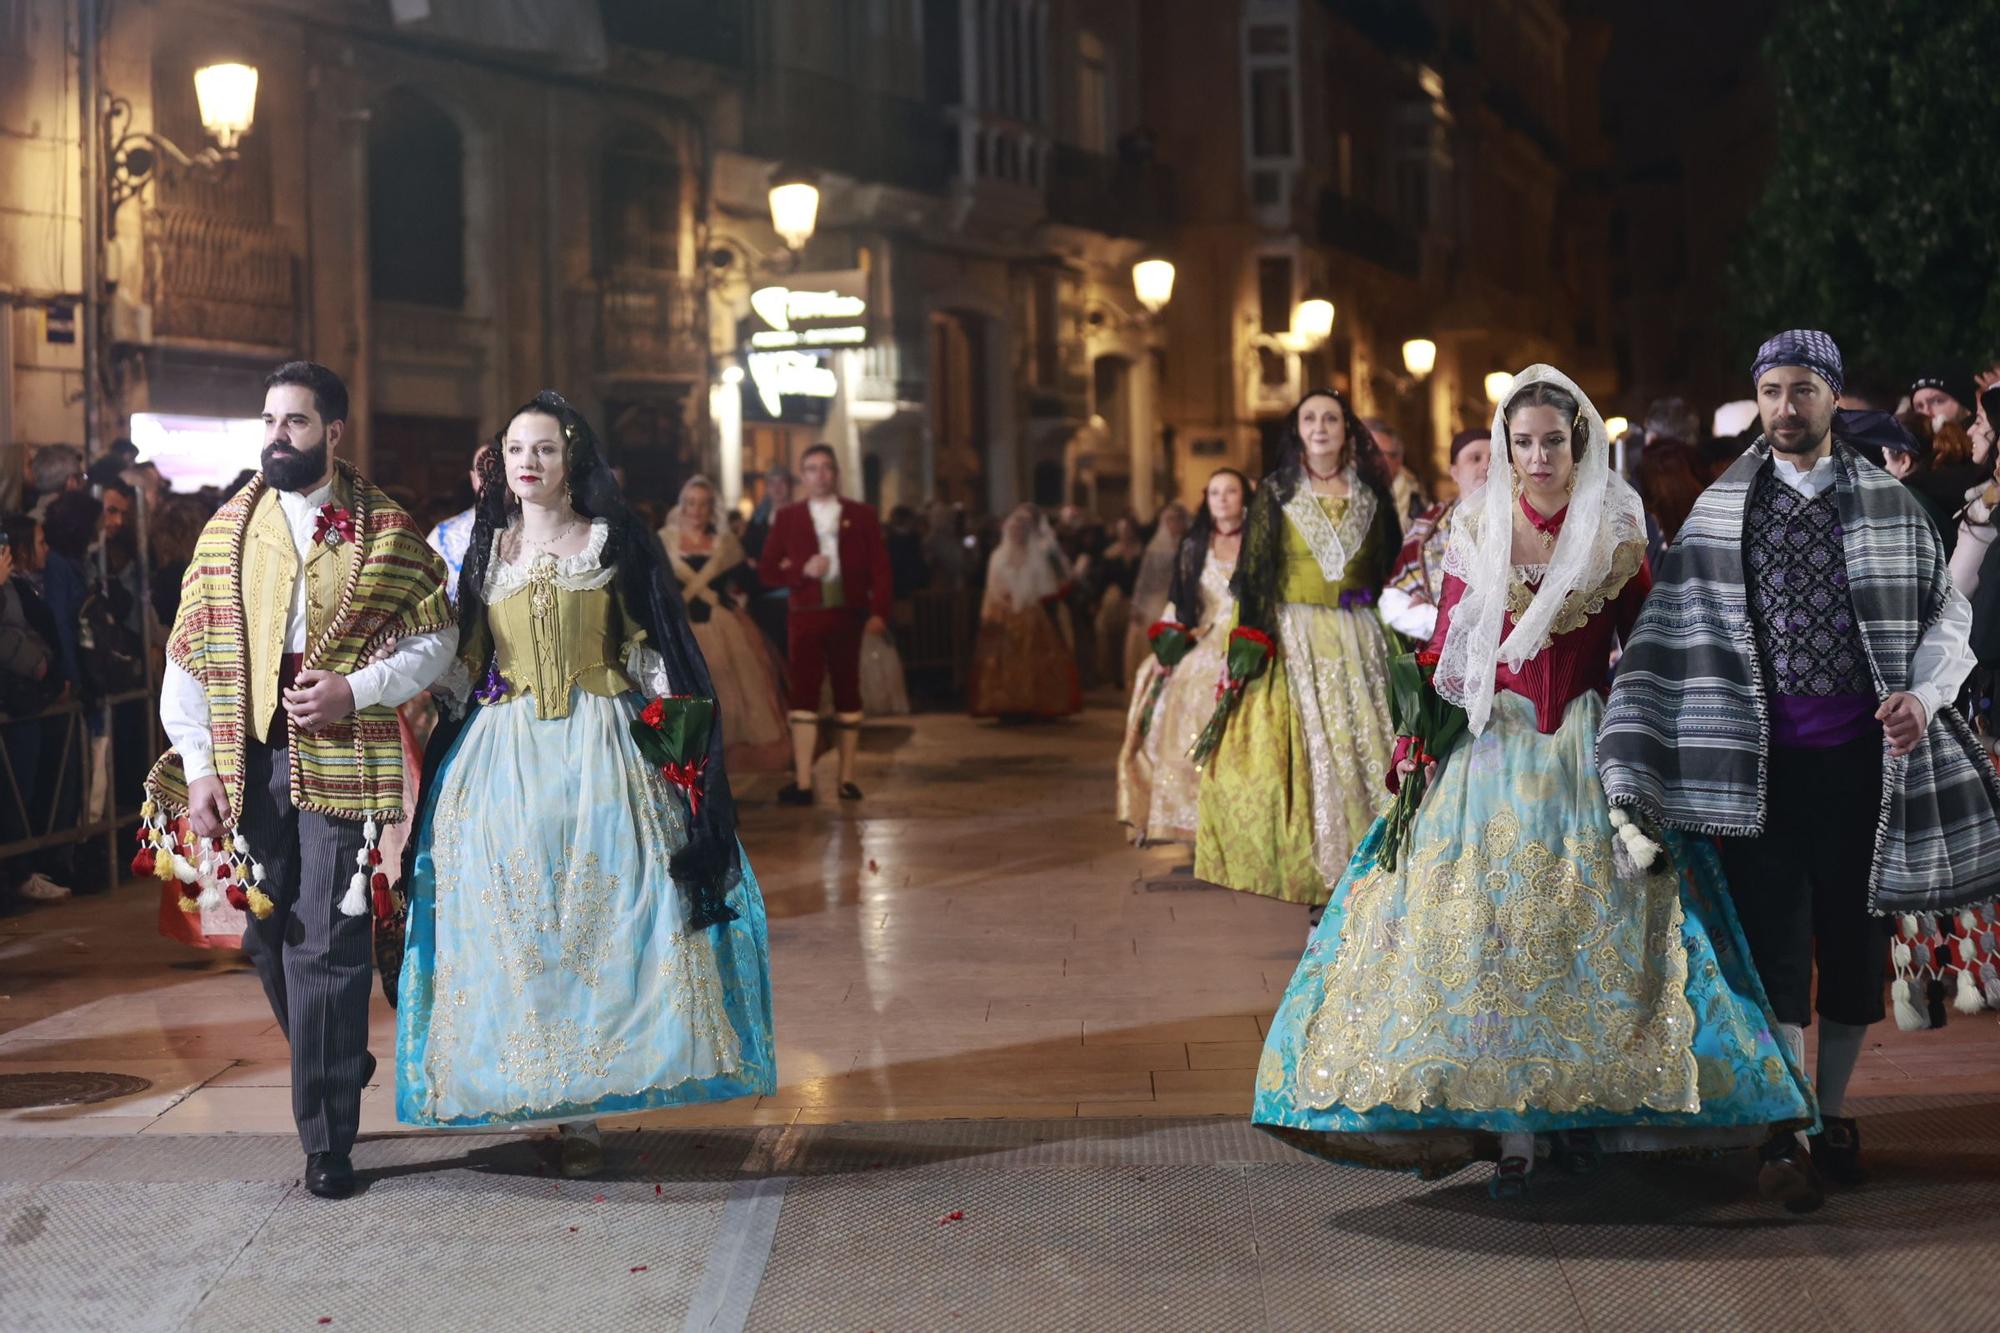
{"x": 1256, "y": 636}
{"x": 654, "y": 714}
{"x": 1427, "y": 658}
{"x": 237, "y": 898}
{"x": 1160, "y": 627}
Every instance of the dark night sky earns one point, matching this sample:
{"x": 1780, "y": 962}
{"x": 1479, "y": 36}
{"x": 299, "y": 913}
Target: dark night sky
{"x": 1689, "y": 119}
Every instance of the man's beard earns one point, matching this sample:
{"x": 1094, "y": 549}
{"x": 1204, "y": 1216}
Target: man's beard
{"x": 294, "y": 469}
{"x": 1806, "y": 443}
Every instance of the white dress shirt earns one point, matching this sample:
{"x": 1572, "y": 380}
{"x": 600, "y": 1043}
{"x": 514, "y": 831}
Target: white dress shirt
{"x": 392, "y": 680}
{"x": 826, "y": 526}
{"x": 1943, "y": 657}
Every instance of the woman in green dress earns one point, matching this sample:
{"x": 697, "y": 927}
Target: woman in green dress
{"x": 1297, "y": 778}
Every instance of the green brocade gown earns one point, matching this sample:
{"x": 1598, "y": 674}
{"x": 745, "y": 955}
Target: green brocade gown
{"x": 1299, "y": 776}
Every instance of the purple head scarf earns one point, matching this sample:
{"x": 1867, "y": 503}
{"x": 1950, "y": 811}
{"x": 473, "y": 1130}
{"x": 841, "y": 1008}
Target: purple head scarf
{"x": 1809, "y": 348}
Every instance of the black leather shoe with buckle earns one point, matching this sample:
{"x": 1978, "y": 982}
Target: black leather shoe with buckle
{"x": 1837, "y": 1149}
{"x": 330, "y": 1175}
{"x": 1786, "y": 1175}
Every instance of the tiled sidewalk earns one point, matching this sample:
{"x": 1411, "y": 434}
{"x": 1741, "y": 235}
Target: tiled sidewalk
{"x": 1155, "y": 1224}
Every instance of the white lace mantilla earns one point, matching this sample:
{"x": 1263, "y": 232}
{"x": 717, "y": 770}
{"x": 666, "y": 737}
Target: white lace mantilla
{"x": 583, "y": 572}
{"x": 1333, "y": 544}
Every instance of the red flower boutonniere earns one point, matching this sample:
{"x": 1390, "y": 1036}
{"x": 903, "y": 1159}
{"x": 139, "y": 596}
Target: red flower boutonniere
{"x": 333, "y": 525}
{"x": 655, "y": 714}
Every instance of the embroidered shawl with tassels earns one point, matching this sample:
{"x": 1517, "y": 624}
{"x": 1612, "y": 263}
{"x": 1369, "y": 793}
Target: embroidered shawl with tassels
{"x": 1686, "y": 734}
{"x": 394, "y": 588}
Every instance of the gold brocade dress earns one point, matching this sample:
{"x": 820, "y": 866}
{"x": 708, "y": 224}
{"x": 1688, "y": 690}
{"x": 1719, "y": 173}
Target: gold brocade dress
{"x": 1298, "y": 778}
{"x": 549, "y": 971}
{"x": 1159, "y": 788}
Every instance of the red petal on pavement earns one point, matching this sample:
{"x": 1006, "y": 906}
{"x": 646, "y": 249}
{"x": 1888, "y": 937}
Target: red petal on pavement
{"x": 656, "y": 1189}
{"x": 598, "y": 1199}
{"x": 572, "y": 1228}
{"x": 871, "y": 864}
{"x": 641, "y": 1268}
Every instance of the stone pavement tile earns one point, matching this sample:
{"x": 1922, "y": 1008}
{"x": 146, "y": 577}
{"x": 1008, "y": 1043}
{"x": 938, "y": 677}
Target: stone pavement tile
{"x": 1083, "y": 1248}
{"x": 239, "y": 1110}
{"x": 170, "y": 1081}
{"x": 91, "y": 1127}
{"x": 742, "y": 1111}
{"x": 263, "y": 1074}
{"x": 1219, "y": 1027}
{"x": 141, "y": 1256}
{"x": 1194, "y": 1082}
{"x": 29, "y": 1161}
{"x": 462, "y": 1250}
{"x": 926, "y": 1111}
{"x": 1347, "y": 1247}
{"x": 1174, "y": 1104}
{"x": 938, "y": 1081}
{"x": 1224, "y": 1054}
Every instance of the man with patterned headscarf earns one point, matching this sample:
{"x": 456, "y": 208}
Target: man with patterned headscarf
{"x": 1788, "y": 689}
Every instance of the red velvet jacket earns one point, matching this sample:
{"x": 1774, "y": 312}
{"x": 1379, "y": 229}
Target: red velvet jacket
{"x": 864, "y": 559}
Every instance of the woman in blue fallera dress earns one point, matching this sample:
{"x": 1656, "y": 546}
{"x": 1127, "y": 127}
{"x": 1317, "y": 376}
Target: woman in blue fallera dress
{"x": 1528, "y": 971}
{"x": 585, "y": 933}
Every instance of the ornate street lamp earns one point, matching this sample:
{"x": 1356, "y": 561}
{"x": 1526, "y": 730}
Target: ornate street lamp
{"x": 1498, "y": 382}
{"x": 794, "y": 205}
{"x": 227, "y": 96}
{"x": 1312, "y": 321}
{"x": 1420, "y": 357}
{"x": 1153, "y": 282}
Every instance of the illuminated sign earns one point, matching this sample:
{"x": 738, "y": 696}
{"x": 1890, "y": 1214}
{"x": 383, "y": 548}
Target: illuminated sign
{"x": 192, "y": 452}
{"x": 777, "y": 376}
{"x": 812, "y": 310}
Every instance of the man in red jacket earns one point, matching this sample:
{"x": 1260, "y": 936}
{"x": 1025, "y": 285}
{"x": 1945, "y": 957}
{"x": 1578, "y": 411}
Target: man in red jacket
{"x": 828, "y": 553}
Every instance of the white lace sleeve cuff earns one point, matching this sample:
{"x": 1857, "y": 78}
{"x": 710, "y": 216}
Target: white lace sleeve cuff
{"x": 648, "y": 671}
{"x": 453, "y": 689}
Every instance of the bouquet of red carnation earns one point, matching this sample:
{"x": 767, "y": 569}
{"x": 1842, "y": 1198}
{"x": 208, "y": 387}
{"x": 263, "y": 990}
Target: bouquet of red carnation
{"x": 1433, "y": 725}
{"x": 1249, "y": 656}
{"x": 1171, "y": 642}
{"x": 672, "y": 733}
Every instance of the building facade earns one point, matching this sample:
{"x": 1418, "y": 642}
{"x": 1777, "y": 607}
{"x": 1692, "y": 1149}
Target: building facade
{"x": 456, "y": 209}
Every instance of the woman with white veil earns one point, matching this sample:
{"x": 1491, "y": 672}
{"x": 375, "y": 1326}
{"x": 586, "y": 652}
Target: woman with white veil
{"x": 1023, "y": 665}
{"x": 1528, "y": 969}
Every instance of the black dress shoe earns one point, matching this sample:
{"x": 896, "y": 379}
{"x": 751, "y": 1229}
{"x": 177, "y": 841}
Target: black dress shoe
{"x": 329, "y": 1174}
{"x": 793, "y": 794}
{"x": 849, "y": 792}
{"x": 368, "y": 1070}
{"x": 1786, "y": 1174}
{"x": 1837, "y": 1149}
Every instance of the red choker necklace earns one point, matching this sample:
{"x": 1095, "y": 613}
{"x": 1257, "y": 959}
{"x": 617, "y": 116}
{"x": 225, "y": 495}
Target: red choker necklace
{"x": 1221, "y": 531}
{"x": 1317, "y": 476}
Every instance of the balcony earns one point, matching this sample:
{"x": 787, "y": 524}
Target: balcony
{"x": 211, "y": 279}
{"x": 798, "y": 116}
{"x": 1353, "y": 226}
{"x": 1120, "y": 196}
{"x": 646, "y": 325}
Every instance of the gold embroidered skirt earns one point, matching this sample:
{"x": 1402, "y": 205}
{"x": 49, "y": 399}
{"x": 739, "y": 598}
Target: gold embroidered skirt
{"x": 1505, "y": 979}
{"x": 1023, "y": 667}
{"x": 1299, "y": 775}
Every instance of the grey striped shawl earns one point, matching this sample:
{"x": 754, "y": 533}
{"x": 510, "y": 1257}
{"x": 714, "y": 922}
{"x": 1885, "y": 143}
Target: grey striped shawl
{"x": 1684, "y": 735}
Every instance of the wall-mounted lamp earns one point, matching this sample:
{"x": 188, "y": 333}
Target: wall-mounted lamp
{"x": 227, "y": 96}
{"x": 1498, "y": 383}
{"x": 794, "y": 205}
{"x": 1420, "y": 357}
{"x": 1153, "y": 282}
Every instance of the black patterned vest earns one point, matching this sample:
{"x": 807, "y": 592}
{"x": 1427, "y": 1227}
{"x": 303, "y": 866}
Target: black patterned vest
{"x": 1799, "y": 604}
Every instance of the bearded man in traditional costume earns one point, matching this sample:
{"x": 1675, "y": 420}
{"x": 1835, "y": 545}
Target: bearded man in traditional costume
{"x": 311, "y": 609}
{"x": 1788, "y": 689}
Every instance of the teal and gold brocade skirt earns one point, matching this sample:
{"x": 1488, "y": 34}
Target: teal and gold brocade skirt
{"x": 1505, "y": 979}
